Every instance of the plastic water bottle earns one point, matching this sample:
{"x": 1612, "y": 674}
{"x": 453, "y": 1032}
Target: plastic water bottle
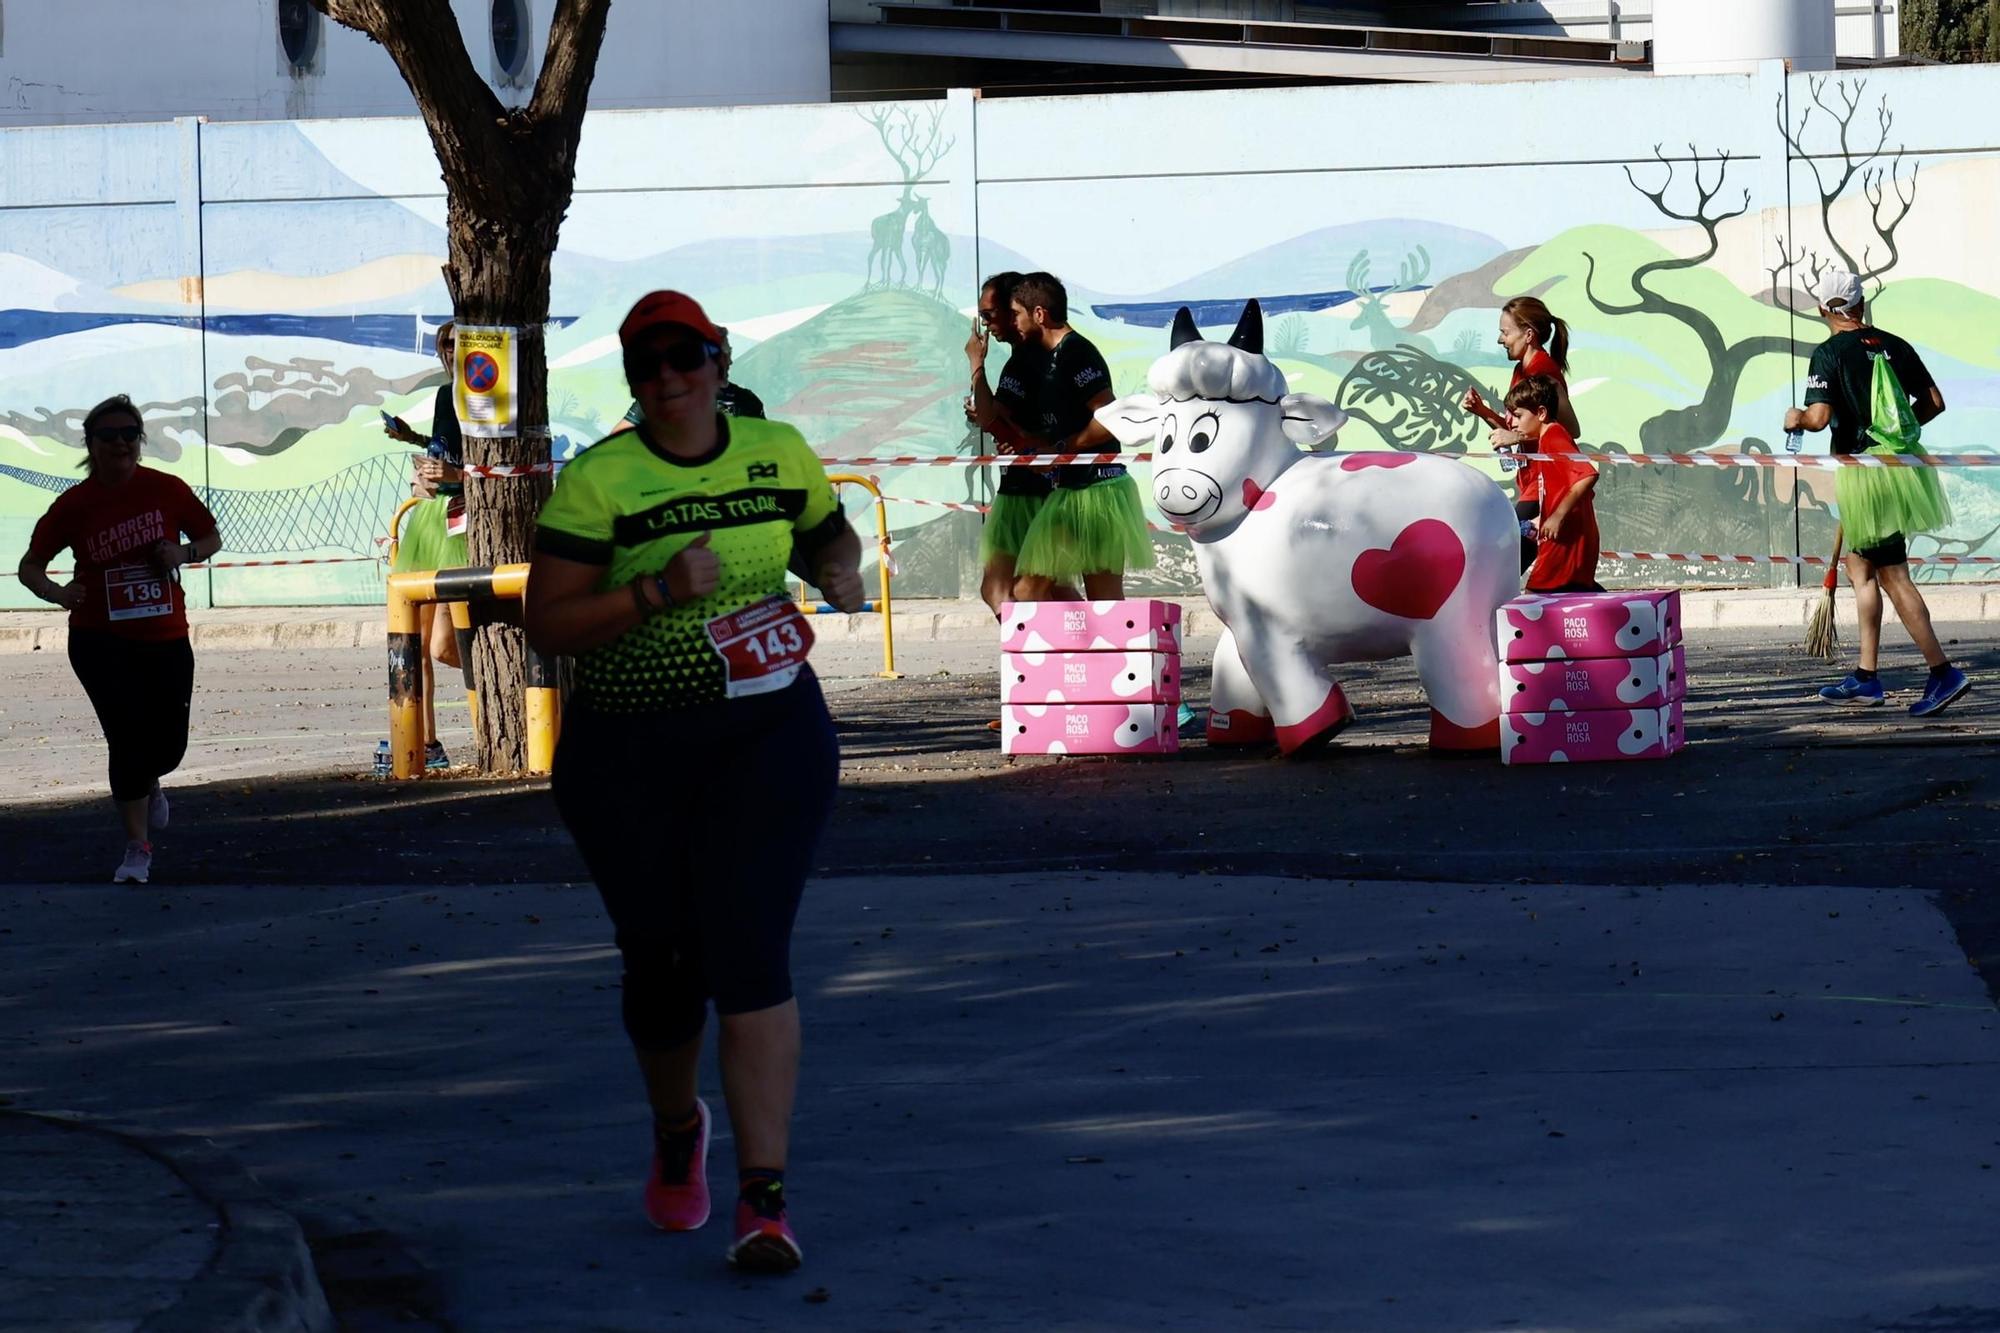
{"x": 1795, "y": 440}
{"x": 384, "y": 766}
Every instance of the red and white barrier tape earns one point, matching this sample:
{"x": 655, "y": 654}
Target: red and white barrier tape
{"x": 251, "y": 564}
{"x": 1632, "y": 460}
{"x": 1707, "y": 558}
{"x": 509, "y": 469}
{"x": 1628, "y": 460}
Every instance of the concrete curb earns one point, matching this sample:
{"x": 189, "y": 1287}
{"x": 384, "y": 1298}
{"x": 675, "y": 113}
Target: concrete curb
{"x": 933, "y": 621}
{"x": 260, "y": 1278}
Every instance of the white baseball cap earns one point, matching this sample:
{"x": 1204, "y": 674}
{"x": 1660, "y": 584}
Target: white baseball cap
{"x": 1837, "y": 289}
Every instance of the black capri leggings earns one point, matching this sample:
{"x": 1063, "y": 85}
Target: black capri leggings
{"x": 141, "y": 691}
{"x": 699, "y": 828}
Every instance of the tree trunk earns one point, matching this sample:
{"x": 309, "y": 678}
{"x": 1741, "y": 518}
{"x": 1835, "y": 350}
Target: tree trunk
{"x": 499, "y": 275}
{"x": 508, "y": 176}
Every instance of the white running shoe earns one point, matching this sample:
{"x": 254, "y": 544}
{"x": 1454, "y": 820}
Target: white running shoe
{"x": 156, "y": 809}
{"x": 137, "y": 865}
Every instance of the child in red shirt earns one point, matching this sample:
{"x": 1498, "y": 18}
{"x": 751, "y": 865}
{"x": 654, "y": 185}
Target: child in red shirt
{"x": 1566, "y": 555}
{"x": 1538, "y": 344}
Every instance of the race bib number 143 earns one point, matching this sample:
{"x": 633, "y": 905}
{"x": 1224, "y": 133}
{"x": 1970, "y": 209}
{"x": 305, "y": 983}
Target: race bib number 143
{"x": 762, "y": 647}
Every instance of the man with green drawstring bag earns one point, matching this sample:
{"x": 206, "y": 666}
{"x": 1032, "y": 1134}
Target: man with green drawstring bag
{"x": 1873, "y": 390}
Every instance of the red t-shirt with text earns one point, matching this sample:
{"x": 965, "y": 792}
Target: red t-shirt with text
{"x": 1528, "y": 482}
{"x": 1572, "y": 559}
{"x": 112, "y": 531}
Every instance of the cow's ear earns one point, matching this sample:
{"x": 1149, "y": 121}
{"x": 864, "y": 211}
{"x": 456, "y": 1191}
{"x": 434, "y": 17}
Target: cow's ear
{"x": 1134, "y": 419}
{"x": 1310, "y": 419}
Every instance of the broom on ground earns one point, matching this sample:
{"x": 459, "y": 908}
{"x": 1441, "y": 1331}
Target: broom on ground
{"x": 1822, "y": 641}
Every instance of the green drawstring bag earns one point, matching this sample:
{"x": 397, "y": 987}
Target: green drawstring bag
{"x": 1891, "y": 422}
{"x": 1876, "y": 503}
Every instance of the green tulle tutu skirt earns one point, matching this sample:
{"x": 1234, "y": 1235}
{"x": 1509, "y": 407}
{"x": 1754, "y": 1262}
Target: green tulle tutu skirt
{"x": 1097, "y": 529}
{"x": 425, "y": 541}
{"x": 1007, "y": 523}
{"x": 1876, "y": 503}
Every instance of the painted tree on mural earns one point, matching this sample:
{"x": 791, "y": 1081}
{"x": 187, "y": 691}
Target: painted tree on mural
{"x": 1705, "y": 421}
{"x": 1843, "y": 162}
{"x": 1889, "y": 190}
{"x": 508, "y": 174}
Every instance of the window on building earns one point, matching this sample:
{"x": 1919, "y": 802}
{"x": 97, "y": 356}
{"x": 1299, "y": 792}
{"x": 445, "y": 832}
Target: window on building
{"x": 510, "y": 36}
{"x": 298, "y": 32}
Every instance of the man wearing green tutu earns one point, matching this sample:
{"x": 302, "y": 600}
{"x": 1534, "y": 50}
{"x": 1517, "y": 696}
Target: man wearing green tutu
{"x": 1093, "y": 527}
{"x": 1874, "y": 391}
{"x": 1007, "y": 412}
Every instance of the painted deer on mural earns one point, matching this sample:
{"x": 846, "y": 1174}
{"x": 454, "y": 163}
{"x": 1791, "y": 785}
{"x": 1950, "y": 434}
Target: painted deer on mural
{"x": 916, "y": 142}
{"x": 1315, "y": 558}
{"x": 887, "y": 231}
{"x": 1374, "y": 314}
{"x": 931, "y": 247}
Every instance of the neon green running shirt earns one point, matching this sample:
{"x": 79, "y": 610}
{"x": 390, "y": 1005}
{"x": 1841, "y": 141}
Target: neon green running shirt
{"x": 630, "y": 508}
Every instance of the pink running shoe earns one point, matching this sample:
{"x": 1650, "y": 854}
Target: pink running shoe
{"x": 677, "y": 1184}
{"x": 764, "y": 1239}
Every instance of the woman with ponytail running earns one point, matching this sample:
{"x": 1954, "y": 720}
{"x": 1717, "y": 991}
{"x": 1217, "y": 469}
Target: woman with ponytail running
{"x": 1538, "y": 344}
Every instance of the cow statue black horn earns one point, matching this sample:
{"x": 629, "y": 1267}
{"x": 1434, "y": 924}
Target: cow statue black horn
{"x": 1249, "y": 335}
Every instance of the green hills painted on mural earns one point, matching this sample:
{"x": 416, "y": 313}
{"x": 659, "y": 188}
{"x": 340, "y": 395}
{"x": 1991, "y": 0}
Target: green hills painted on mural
{"x": 880, "y": 372}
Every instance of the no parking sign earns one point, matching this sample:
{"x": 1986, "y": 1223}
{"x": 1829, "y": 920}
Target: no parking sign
{"x": 483, "y": 380}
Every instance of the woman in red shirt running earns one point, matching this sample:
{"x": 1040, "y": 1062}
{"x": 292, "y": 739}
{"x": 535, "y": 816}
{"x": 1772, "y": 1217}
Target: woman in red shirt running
{"x": 128, "y": 629}
{"x": 1538, "y": 344}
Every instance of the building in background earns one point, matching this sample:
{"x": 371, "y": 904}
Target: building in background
{"x": 912, "y": 47}
{"x": 105, "y": 61}
{"x": 108, "y": 61}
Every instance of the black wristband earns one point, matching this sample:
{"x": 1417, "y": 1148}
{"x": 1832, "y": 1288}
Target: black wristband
{"x": 666, "y": 593}
{"x": 187, "y": 549}
{"x": 639, "y": 599}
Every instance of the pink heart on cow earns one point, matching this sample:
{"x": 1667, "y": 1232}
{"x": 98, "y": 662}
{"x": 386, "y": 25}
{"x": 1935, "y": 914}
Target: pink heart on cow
{"x": 1416, "y": 575}
{"x": 1355, "y": 462}
{"x": 1255, "y": 496}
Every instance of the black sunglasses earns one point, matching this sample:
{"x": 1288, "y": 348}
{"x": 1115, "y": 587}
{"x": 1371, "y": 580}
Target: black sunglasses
{"x": 115, "y": 434}
{"x": 681, "y": 357}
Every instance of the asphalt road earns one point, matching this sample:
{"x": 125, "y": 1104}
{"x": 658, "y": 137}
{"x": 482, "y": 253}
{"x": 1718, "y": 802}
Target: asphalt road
{"x": 1774, "y": 787}
{"x": 1375, "y": 1040}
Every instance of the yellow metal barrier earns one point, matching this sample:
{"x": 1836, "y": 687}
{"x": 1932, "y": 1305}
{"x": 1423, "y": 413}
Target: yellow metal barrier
{"x": 461, "y": 622}
{"x": 458, "y": 587}
{"x": 883, "y": 564}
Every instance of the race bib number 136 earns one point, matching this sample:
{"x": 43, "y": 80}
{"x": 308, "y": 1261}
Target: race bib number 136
{"x": 762, "y": 646}
{"x": 134, "y": 592}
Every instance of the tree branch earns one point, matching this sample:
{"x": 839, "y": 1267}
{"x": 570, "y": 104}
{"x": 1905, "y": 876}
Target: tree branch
{"x": 422, "y": 37}
{"x": 576, "y": 35}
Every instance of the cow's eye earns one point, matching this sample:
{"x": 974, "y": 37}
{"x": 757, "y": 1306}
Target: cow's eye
{"x": 1167, "y": 437}
{"x": 1205, "y": 427}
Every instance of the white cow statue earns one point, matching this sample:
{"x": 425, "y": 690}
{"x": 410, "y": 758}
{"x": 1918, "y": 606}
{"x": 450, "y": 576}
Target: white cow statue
{"x": 1315, "y": 558}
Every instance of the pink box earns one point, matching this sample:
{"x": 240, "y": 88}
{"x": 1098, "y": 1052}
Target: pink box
{"x": 1560, "y": 736}
{"x": 1133, "y": 625}
{"x": 1588, "y": 624}
{"x": 1579, "y": 684}
{"x": 1090, "y": 678}
{"x": 1088, "y": 729}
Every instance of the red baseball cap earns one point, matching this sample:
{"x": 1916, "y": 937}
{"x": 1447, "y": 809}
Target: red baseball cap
{"x": 657, "y": 308}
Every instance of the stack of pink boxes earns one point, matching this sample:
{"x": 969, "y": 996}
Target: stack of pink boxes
{"x": 1090, "y": 677}
{"x": 1591, "y": 676}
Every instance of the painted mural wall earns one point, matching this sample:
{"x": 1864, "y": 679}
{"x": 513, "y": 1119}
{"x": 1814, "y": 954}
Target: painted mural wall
{"x": 267, "y": 290}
